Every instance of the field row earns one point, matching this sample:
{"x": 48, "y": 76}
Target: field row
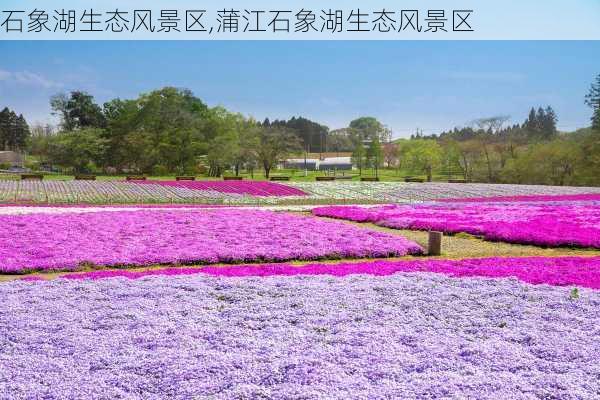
{"x": 259, "y": 193}
{"x": 418, "y": 336}
{"x": 555, "y": 223}
{"x": 133, "y": 238}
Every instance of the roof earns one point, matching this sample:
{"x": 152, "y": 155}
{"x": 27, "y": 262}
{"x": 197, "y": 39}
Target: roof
{"x": 337, "y": 160}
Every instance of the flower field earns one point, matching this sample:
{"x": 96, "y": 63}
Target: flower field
{"x": 558, "y": 271}
{"x": 126, "y": 301}
{"x": 249, "y": 188}
{"x": 543, "y": 198}
{"x": 144, "y": 237}
{"x": 540, "y": 223}
{"x": 399, "y": 336}
{"x": 259, "y": 193}
{"x": 401, "y": 192}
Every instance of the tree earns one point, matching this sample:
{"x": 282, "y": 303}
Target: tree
{"x": 358, "y": 156}
{"x": 339, "y": 140}
{"x": 423, "y": 155}
{"x": 592, "y": 99}
{"x": 312, "y": 135}
{"x": 14, "y": 131}
{"x": 469, "y": 152}
{"x": 488, "y": 128}
{"x": 541, "y": 124}
{"x": 375, "y": 155}
{"x": 552, "y": 163}
{"x": 391, "y": 154}
{"x": 272, "y": 145}
{"x": 367, "y": 128}
{"x": 171, "y": 127}
{"x": 80, "y": 150}
{"x": 548, "y": 125}
{"x": 77, "y": 111}
{"x": 59, "y": 104}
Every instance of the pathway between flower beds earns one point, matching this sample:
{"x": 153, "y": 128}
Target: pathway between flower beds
{"x": 563, "y": 223}
{"x": 137, "y": 238}
{"x": 312, "y": 337}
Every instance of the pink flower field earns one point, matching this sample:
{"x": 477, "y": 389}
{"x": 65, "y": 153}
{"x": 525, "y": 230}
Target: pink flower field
{"x": 557, "y": 271}
{"x": 144, "y": 237}
{"x": 574, "y": 224}
{"x": 250, "y": 188}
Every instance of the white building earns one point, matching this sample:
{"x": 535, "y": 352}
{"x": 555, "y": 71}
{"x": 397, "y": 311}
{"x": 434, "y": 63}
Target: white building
{"x": 326, "y": 164}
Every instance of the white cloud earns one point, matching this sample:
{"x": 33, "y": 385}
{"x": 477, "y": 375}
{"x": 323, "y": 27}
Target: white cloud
{"x": 28, "y": 78}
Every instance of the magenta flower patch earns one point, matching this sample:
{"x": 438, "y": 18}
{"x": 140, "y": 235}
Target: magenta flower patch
{"x": 574, "y": 224}
{"x": 558, "y": 271}
{"x": 64, "y": 242}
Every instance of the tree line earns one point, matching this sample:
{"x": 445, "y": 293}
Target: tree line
{"x": 488, "y": 150}
{"x": 170, "y": 130}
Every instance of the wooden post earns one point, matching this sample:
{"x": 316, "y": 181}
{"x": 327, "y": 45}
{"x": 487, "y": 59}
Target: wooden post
{"x": 435, "y": 243}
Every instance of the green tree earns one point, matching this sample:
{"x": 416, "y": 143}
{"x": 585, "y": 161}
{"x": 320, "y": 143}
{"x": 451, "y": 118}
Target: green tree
{"x": 272, "y": 145}
{"x": 391, "y": 154}
{"x": 312, "y": 135}
{"x": 358, "y": 156}
{"x": 339, "y": 140}
{"x": 166, "y": 129}
{"x": 551, "y": 163}
{"x": 367, "y": 128}
{"x": 592, "y": 99}
{"x": 14, "y": 130}
{"x": 423, "y": 155}
{"x": 81, "y": 150}
{"x": 77, "y": 111}
{"x": 375, "y": 155}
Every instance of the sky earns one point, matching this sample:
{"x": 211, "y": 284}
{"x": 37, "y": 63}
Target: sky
{"x": 429, "y": 85}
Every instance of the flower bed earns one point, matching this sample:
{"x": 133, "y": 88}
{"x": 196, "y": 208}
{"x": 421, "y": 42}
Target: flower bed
{"x": 543, "y": 198}
{"x": 538, "y": 223}
{"x": 250, "y": 188}
{"x": 401, "y": 192}
{"x": 559, "y": 271}
{"x": 253, "y": 192}
{"x": 65, "y": 242}
{"x": 316, "y": 337}
{"x": 119, "y": 192}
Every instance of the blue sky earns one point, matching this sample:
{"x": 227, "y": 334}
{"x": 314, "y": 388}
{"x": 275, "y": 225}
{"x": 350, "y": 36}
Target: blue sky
{"x": 431, "y": 85}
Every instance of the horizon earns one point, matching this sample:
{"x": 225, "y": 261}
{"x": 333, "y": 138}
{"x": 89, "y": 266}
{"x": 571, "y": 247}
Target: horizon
{"x": 430, "y": 86}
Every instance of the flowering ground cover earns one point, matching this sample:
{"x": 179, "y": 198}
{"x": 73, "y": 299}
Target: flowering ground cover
{"x": 409, "y": 336}
{"x": 259, "y": 193}
{"x": 559, "y": 271}
{"x": 543, "y": 198}
{"x": 119, "y": 192}
{"x": 144, "y": 237}
{"x": 251, "y": 188}
{"x": 547, "y": 224}
{"x": 403, "y": 192}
